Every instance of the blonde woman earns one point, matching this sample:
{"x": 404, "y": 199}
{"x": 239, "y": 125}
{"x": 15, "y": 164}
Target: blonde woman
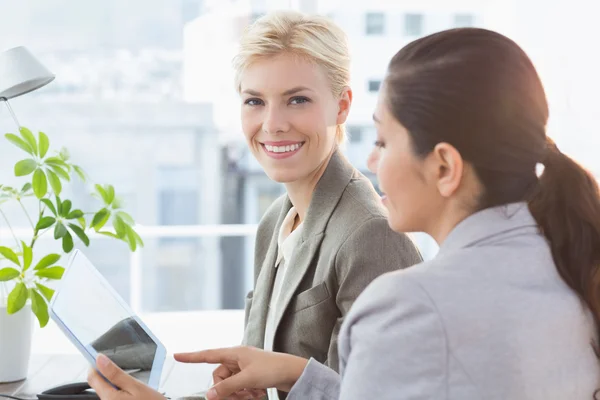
{"x": 327, "y": 238}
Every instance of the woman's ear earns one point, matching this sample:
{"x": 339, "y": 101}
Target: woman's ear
{"x": 344, "y": 104}
{"x": 448, "y": 168}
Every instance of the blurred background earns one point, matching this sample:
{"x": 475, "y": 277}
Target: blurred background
{"x": 144, "y": 100}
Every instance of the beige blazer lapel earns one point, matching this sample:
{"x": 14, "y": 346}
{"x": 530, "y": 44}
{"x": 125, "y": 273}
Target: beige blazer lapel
{"x": 257, "y": 319}
{"x": 297, "y": 268}
{"x": 328, "y": 193}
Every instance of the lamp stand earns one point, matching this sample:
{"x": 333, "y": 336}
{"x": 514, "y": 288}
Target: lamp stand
{"x": 12, "y": 113}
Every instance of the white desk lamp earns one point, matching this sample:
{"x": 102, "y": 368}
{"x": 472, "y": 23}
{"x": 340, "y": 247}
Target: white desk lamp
{"x": 20, "y": 73}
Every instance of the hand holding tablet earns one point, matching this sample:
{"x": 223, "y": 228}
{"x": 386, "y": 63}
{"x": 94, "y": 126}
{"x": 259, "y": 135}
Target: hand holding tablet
{"x": 98, "y": 321}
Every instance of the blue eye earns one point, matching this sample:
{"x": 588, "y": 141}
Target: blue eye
{"x": 379, "y": 144}
{"x": 253, "y": 102}
{"x": 299, "y": 100}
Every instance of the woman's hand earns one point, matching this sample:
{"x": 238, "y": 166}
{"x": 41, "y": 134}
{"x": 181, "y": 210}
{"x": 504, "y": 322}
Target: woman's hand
{"x": 129, "y": 387}
{"x": 247, "y": 369}
{"x": 220, "y": 374}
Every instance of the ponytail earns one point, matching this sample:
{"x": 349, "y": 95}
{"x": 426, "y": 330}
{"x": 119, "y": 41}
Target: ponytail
{"x": 566, "y": 206}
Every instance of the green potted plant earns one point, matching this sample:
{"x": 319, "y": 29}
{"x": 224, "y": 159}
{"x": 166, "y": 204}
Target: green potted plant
{"x": 24, "y": 269}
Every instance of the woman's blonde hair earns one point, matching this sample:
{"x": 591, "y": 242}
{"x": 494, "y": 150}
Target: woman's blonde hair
{"x": 314, "y": 38}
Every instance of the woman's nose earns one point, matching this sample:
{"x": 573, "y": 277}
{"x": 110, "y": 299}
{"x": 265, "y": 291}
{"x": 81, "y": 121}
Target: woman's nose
{"x": 373, "y": 160}
{"x": 275, "y": 122}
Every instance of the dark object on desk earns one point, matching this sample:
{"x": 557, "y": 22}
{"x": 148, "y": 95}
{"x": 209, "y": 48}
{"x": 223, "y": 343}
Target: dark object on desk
{"x": 128, "y": 346}
{"x": 72, "y": 391}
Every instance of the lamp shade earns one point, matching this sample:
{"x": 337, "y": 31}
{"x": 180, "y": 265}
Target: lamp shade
{"x": 21, "y": 73}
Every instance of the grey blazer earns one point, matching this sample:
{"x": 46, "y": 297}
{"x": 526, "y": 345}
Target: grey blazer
{"x": 488, "y": 318}
{"x": 346, "y": 243}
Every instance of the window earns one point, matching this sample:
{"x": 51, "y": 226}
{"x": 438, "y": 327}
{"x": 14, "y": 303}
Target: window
{"x": 463, "y": 20}
{"x": 178, "y": 207}
{"x": 374, "y": 85}
{"x": 413, "y": 24}
{"x": 354, "y": 133}
{"x": 375, "y": 24}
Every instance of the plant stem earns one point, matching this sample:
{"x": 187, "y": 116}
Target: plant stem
{"x": 36, "y": 236}
{"x": 10, "y": 228}
{"x": 26, "y": 213}
{"x": 35, "y": 230}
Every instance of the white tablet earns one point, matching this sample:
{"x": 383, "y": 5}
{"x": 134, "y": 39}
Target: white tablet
{"x": 97, "y": 320}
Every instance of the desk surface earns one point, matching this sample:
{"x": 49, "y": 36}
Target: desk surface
{"x": 46, "y": 371}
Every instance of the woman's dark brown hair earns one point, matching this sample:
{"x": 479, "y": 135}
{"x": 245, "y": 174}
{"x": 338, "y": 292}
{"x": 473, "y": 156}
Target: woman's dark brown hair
{"x": 478, "y": 91}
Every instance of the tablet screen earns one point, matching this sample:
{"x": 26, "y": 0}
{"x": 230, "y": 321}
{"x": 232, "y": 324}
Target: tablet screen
{"x": 93, "y": 314}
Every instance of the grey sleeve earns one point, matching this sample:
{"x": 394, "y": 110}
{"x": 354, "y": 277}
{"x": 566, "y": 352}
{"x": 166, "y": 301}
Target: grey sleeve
{"x": 317, "y": 382}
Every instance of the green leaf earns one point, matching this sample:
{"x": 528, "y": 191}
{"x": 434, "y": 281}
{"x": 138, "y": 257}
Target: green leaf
{"x": 17, "y": 141}
{"x": 27, "y": 256}
{"x": 29, "y": 138}
{"x": 80, "y": 234}
{"x": 7, "y": 274}
{"x": 117, "y": 203}
{"x": 60, "y": 172}
{"x": 109, "y": 234}
{"x": 45, "y": 222}
{"x": 82, "y": 222}
{"x": 50, "y": 206}
{"x": 26, "y": 187}
{"x": 65, "y": 208}
{"x": 9, "y": 255}
{"x": 55, "y": 161}
{"x": 39, "y": 307}
{"x": 40, "y": 184}
{"x": 67, "y": 243}
{"x": 75, "y": 214}
{"x": 80, "y": 172}
{"x": 102, "y": 193}
{"x": 110, "y": 191}
{"x": 44, "y": 144}
{"x": 120, "y": 227}
{"x": 138, "y": 239}
{"x": 51, "y": 273}
{"x": 126, "y": 217}
{"x": 17, "y": 298}
{"x": 58, "y": 204}
{"x": 100, "y": 219}
{"x": 60, "y": 231}
{"x": 45, "y": 291}
{"x": 25, "y": 167}
{"x": 130, "y": 238}
{"x": 47, "y": 261}
{"x": 54, "y": 182}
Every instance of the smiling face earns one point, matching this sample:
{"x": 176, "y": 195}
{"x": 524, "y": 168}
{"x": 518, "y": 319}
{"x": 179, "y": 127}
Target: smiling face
{"x": 290, "y": 116}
